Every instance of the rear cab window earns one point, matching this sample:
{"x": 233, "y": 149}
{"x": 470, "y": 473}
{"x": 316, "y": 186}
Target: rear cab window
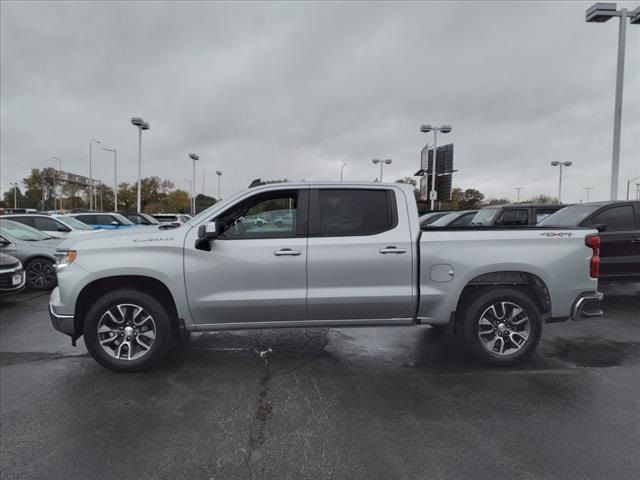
{"x": 517, "y": 216}
{"x": 617, "y": 219}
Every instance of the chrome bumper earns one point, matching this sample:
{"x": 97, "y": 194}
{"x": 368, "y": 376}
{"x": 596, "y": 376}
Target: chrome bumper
{"x": 587, "y": 305}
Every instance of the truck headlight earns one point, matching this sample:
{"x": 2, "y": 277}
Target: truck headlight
{"x": 65, "y": 257}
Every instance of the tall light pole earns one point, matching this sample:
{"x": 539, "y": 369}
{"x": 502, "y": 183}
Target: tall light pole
{"x": 600, "y": 13}
{"x": 426, "y": 129}
{"x": 517, "y": 189}
{"x": 629, "y": 182}
{"x": 93, "y": 140}
{"x": 115, "y": 176}
{"x": 588, "y": 189}
{"x": 195, "y": 158}
{"x": 555, "y": 163}
{"x": 15, "y": 194}
{"x": 219, "y": 174}
{"x": 55, "y": 177}
{"x": 375, "y": 161}
{"x": 142, "y": 125}
{"x": 341, "y": 169}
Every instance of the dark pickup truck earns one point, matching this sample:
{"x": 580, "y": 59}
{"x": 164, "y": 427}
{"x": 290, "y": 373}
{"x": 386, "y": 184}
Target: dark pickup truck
{"x": 619, "y": 225}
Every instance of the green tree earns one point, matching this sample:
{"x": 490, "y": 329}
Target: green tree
{"x": 497, "y": 201}
{"x": 203, "y": 202}
{"x": 8, "y": 198}
{"x": 542, "y": 198}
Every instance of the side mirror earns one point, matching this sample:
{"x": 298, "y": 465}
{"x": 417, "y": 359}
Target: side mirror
{"x": 63, "y": 229}
{"x": 601, "y": 227}
{"x": 209, "y": 230}
{"x": 115, "y": 224}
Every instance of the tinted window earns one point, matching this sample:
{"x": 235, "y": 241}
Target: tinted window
{"x": 463, "y": 220}
{"x": 24, "y": 220}
{"x": 88, "y": 219}
{"x": 484, "y": 216}
{"x": 75, "y": 223}
{"x": 513, "y": 217}
{"x": 268, "y": 215}
{"x": 569, "y": 216}
{"x": 135, "y": 218}
{"x": 48, "y": 224}
{"x": 166, "y": 218}
{"x": 355, "y": 212}
{"x": 615, "y": 218}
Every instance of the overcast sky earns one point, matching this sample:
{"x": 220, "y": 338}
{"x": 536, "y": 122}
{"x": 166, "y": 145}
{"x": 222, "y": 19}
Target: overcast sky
{"x": 293, "y": 89}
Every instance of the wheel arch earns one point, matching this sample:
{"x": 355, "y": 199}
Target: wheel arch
{"x": 529, "y": 283}
{"x": 94, "y": 289}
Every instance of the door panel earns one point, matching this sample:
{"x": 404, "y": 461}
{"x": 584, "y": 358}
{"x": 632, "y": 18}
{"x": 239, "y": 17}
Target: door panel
{"x": 367, "y": 276}
{"x": 248, "y": 275}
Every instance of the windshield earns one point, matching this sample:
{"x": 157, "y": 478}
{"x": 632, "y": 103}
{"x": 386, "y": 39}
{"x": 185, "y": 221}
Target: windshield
{"x": 484, "y": 216}
{"x": 570, "y": 216}
{"x": 149, "y": 219}
{"x": 22, "y": 232}
{"x": 122, "y": 219}
{"x": 74, "y": 223}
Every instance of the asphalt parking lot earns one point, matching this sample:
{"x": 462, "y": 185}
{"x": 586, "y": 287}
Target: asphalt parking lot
{"x": 369, "y": 403}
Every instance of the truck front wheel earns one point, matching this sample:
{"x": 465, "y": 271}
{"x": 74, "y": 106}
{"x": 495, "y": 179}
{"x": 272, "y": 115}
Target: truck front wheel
{"x": 501, "y": 326}
{"x": 127, "y": 330}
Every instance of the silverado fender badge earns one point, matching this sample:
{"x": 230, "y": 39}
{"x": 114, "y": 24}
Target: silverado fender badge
{"x": 555, "y": 234}
{"x": 153, "y": 239}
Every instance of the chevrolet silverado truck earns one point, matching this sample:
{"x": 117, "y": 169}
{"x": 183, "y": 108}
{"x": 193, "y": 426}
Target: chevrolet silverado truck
{"x": 340, "y": 255}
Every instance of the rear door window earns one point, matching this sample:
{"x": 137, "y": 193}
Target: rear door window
{"x": 47, "y": 224}
{"x": 88, "y": 219}
{"x": 617, "y": 219}
{"x": 26, "y": 220}
{"x": 342, "y": 212}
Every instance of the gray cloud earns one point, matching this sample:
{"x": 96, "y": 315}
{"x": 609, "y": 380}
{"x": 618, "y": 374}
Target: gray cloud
{"x": 278, "y": 90}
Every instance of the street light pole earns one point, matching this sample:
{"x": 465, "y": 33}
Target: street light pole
{"x": 15, "y": 194}
{"x": 600, "y": 13}
{"x": 555, "y": 163}
{"x": 629, "y": 184}
{"x": 375, "y": 161}
{"x": 588, "y": 189}
{"x": 93, "y": 140}
{"x": 55, "y": 178}
{"x": 142, "y": 125}
{"x": 115, "y": 176}
{"x": 219, "y": 173}
{"x": 341, "y": 169}
{"x": 517, "y": 189}
{"x": 195, "y": 158}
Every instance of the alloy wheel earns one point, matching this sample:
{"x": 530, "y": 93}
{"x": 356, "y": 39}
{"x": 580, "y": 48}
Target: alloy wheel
{"x": 126, "y": 331}
{"x": 504, "y": 328}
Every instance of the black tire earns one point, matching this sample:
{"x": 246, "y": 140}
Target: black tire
{"x": 127, "y": 299}
{"x": 505, "y": 329}
{"x": 41, "y": 274}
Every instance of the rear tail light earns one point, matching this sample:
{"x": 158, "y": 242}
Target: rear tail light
{"x": 593, "y": 242}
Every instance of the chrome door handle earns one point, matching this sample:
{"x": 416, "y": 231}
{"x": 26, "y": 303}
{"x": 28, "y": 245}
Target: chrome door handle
{"x": 287, "y": 252}
{"x": 392, "y": 249}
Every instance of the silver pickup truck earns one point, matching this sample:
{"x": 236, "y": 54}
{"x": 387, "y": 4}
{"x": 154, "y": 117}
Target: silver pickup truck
{"x": 321, "y": 255}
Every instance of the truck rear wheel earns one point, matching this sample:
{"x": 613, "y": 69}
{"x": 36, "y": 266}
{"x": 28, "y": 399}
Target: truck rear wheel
{"x": 501, "y": 326}
{"x": 127, "y": 330}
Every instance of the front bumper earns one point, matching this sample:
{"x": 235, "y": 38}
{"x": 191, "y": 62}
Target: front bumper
{"x": 587, "y": 305}
{"x": 62, "y": 322}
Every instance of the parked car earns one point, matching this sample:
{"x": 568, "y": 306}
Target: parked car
{"x": 58, "y": 226}
{"x": 12, "y": 277}
{"x": 428, "y": 218}
{"x": 619, "y": 226}
{"x": 129, "y": 293}
{"x": 461, "y": 218}
{"x": 139, "y": 218}
{"x": 176, "y": 219}
{"x": 515, "y": 214}
{"x": 102, "y": 220}
{"x": 35, "y": 249}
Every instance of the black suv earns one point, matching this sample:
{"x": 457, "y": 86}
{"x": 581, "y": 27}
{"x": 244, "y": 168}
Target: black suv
{"x": 619, "y": 225}
{"x": 515, "y": 214}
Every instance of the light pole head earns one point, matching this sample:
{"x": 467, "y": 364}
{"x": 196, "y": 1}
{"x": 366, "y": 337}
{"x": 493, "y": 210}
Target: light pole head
{"x": 445, "y": 128}
{"x": 219, "y": 173}
{"x": 555, "y": 163}
{"x": 388, "y": 161}
{"x": 144, "y": 126}
{"x": 375, "y": 161}
{"x": 567, "y": 164}
{"x": 137, "y": 121}
{"x": 193, "y": 156}
{"x": 635, "y": 17}
{"x": 426, "y": 128}
{"x": 600, "y": 12}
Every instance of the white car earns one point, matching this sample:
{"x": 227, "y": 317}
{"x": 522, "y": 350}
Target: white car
{"x": 54, "y": 225}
